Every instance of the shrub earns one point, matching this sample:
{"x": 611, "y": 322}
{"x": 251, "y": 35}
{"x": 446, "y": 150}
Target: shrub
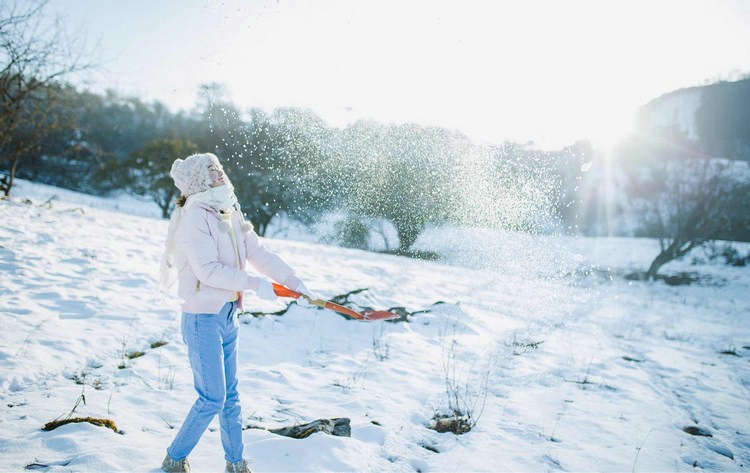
{"x": 352, "y": 233}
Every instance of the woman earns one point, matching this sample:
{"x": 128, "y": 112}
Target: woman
{"x": 207, "y": 246}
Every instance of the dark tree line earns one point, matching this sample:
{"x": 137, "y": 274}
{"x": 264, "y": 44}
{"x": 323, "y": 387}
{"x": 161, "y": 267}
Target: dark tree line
{"x": 290, "y": 162}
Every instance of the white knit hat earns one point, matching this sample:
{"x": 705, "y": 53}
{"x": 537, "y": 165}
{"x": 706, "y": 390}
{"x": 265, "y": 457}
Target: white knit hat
{"x": 191, "y": 175}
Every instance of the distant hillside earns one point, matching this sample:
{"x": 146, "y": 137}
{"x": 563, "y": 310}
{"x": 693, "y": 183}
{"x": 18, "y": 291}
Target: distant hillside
{"x": 717, "y": 116}
{"x": 673, "y": 110}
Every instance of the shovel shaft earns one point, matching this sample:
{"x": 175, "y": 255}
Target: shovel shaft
{"x": 282, "y": 291}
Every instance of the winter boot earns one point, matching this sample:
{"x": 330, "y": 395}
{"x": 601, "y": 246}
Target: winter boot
{"x": 175, "y": 466}
{"x": 237, "y": 467}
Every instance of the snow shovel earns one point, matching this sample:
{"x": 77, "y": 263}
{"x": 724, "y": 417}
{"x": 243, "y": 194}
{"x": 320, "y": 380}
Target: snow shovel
{"x": 369, "y": 315}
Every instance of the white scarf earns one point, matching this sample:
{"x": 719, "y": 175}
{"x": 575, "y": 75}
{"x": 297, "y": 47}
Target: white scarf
{"x": 221, "y": 199}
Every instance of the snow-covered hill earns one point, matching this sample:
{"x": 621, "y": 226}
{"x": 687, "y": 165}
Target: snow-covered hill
{"x": 674, "y": 110}
{"x": 583, "y": 373}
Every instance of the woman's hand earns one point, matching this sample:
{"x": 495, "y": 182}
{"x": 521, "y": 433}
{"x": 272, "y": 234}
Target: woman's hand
{"x": 265, "y": 290}
{"x": 301, "y": 288}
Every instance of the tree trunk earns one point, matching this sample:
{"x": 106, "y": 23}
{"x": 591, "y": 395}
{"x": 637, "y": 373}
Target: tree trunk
{"x": 679, "y": 247}
{"x": 7, "y": 182}
{"x": 261, "y": 222}
{"x": 164, "y": 204}
{"x": 407, "y": 235}
{"x": 662, "y": 259}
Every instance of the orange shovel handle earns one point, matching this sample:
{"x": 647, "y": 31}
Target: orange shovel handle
{"x": 282, "y": 291}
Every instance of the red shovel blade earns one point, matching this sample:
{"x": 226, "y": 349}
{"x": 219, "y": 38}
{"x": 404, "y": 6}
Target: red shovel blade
{"x": 379, "y": 315}
{"x": 366, "y": 315}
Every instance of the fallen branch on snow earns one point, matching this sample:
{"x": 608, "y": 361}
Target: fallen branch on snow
{"x": 101, "y": 422}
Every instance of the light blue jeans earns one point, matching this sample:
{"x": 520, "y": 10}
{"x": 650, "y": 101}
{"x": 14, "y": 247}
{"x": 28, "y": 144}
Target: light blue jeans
{"x": 211, "y": 340}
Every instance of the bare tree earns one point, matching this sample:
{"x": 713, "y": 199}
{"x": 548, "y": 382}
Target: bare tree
{"x": 700, "y": 203}
{"x": 683, "y": 196}
{"x": 35, "y": 59}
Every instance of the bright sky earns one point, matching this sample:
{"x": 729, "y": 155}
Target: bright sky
{"x": 544, "y": 70}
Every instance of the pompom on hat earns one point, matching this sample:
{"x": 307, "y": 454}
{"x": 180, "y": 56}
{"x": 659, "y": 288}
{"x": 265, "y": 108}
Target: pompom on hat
{"x": 191, "y": 174}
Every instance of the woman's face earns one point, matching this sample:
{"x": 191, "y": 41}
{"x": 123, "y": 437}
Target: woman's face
{"x": 217, "y": 176}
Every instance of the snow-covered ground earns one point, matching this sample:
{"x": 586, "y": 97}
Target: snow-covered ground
{"x": 584, "y": 372}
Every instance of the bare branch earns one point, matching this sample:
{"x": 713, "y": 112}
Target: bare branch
{"x": 37, "y": 57}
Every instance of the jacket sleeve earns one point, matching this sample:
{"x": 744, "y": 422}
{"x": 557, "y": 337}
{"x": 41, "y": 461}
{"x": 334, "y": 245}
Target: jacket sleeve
{"x": 203, "y": 256}
{"x": 267, "y": 263}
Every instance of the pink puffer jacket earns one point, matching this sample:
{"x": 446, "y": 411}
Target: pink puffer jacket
{"x": 205, "y": 259}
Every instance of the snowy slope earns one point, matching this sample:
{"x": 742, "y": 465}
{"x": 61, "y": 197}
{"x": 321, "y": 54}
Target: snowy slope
{"x": 584, "y": 373}
{"x": 673, "y": 110}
